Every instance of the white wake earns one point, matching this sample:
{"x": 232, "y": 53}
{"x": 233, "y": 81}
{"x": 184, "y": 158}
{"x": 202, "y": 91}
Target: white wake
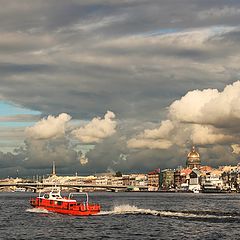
{"x": 37, "y": 210}
{"x": 128, "y": 209}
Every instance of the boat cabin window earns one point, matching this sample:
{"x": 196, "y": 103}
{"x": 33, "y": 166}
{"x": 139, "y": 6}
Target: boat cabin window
{"x": 56, "y": 196}
{"x": 51, "y": 201}
{"x": 59, "y": 203}
{"x": 46, "y": 195}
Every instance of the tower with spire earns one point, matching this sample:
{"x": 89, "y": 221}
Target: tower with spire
{"x": 53, "y": 169}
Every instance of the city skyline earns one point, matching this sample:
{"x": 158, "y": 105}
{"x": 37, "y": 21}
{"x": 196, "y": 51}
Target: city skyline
{"x": 125, "y": 86}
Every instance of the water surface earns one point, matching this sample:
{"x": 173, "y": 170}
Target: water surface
{"x": 127, "y": 216}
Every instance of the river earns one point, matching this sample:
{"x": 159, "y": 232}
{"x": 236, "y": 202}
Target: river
{"x": 125, "y": 216}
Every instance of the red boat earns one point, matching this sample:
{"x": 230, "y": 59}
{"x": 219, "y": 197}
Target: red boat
{"x": 54, "y": 202}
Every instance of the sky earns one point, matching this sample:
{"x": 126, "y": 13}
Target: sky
{"x": 110, "y": 85}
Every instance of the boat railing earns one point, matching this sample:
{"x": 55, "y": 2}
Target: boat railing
{"x": 71, "y": 195}
{"x": 54, "y": 190}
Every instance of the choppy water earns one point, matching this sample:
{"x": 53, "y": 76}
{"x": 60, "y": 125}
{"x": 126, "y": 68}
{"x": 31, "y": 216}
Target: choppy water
{"x": 127, "y": 216}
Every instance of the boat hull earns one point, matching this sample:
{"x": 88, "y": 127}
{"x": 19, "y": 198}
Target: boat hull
{"x": 69, "y": 212}
{"x": 66, "y": 207}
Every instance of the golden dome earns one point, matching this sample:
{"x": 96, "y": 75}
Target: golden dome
{"x": 193, "y": 159}
{"x": 193, "y": 153}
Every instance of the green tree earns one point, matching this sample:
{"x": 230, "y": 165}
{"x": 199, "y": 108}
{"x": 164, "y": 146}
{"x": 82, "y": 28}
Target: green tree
{"x": 118, "y": 174}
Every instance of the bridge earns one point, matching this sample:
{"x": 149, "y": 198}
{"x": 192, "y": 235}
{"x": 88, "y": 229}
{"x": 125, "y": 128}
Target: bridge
{"x": 37, "y": 186}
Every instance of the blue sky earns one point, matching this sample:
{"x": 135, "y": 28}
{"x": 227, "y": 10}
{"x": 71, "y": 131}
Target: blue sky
{"x": 8, "y": 109}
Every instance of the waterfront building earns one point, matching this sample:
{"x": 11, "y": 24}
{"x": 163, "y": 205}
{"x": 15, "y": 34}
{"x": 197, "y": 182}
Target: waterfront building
{"x": 238, "y": 178}
{"x": 125, "y": 179}
{"x": 117, "y": 181}
{"x": 102, "y": 180}
{"x": 193, "y": 159}
{"x": 194, "y": 180}
{"x": 212, "y": 181}
{"x": 185, "y": 178}
{"x": 177, "y": 179}
{"x": 167, "y": 181}
{"x": 132, "y": 180}
{"x": 230, "y": 177}
{"x": 154, "y": 180}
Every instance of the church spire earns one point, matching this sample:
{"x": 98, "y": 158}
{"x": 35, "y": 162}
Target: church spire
{"x": 53, "y": 169}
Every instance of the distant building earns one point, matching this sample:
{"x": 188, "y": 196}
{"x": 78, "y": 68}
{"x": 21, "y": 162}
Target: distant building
{"x": 154, "y": 180}
{"x": 167, "y": 180}
{"x": 177, "y": 179}
{"x": 126, "y": 181}
{"x": 185, "y": 178}
{"x": 193, "y": 159}
{"x": 194, "y": 180}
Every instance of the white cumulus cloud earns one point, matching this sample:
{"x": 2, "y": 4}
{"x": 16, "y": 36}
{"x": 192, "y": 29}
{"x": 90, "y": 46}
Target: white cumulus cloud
{"x": 202, "y": 135}
{"x": 83, "y": 159}
{"x": 204, "y": 117}
{"x": 49, "y": 127}
{"x": 153, "y": 138}
{"x": 97, "y": 129}
{"x": 209, "y": 106}
{"x": 236, "y": 148}
{"x": 189, "y": 107}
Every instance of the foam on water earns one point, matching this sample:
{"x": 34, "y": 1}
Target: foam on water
{"x": 37, "y": 210}
{"x": 128, "y": 209}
